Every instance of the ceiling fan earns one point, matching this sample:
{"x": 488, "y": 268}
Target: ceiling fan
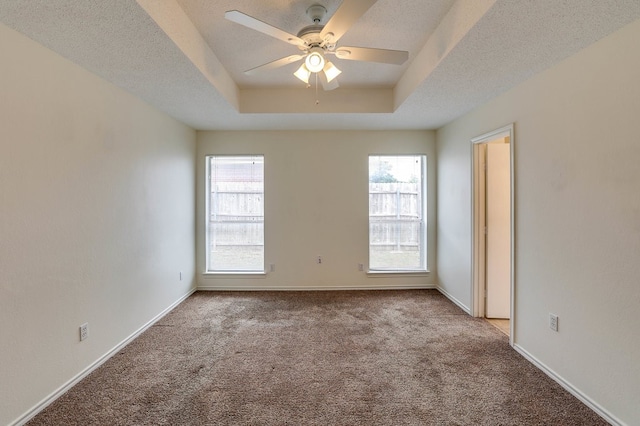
{"x": 317, "y": 41}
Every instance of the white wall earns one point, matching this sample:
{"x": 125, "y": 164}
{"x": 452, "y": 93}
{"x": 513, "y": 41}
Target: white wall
{"x": 577, "y": 217}
{"x": 96, "y": 219}
{"x": 316, "y": 203}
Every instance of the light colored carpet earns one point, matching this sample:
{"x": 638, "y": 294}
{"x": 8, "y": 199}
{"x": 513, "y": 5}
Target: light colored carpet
{"x": 318, "y": 358}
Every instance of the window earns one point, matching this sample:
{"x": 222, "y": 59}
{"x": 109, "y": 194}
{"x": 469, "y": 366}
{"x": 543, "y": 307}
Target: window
{"x": 397, "y": 213}
{"x": 235, "y": 213}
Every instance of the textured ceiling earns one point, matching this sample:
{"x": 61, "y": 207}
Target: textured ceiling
{"x": 183, "y": 57}
{"x": 394, "y": 25}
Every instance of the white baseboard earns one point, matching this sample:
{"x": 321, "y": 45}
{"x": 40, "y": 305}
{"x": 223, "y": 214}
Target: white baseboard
{"x": 602, "y": 412}
{"x": 84, "y": 373}
{"x": 313, "y": 288}
{"x": 454, "y": 300}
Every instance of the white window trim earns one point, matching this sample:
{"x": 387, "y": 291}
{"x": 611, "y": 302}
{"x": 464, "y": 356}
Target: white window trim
{"x": 379, "y": 273}
{"x": 230, "y": 273}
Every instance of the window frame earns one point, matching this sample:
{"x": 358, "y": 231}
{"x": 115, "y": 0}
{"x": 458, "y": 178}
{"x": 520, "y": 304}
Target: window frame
{"x": 423, "y": 243}
{"x": 207, "y": 270}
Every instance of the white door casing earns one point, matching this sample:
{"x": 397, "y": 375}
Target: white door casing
{"x": 478, "y": 211}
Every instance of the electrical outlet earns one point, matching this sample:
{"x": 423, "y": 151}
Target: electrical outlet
{"x": 553, "y": 322}
{"x": 84, "y": 331}
{"x": 319, "y": 260}
{"x": 360, "y": 267}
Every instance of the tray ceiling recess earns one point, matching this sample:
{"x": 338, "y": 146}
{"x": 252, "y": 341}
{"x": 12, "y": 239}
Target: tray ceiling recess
{"x": 189, "y": 60}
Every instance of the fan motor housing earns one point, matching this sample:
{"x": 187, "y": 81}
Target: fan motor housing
{"x": 311, "y": 34}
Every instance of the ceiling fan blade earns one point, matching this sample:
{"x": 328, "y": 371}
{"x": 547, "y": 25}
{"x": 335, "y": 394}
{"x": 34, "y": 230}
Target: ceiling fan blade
{"x": 257, "y": 25}
{"x": 275, "y": 64}
{"x": 346, "y": 15}
{"x": 326, "y": 85}
{"x": 397, "y": 57}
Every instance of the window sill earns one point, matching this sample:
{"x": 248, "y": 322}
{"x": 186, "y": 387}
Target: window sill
{"x": 231, "y": 274}
{"x": 380, "y": 274}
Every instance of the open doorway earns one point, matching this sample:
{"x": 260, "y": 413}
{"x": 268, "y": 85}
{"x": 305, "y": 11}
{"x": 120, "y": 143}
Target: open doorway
{"x": 493, "y": 228}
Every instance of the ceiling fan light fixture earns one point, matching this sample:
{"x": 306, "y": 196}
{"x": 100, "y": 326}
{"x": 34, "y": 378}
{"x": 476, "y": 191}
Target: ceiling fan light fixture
{"x": 315, "y": 60}
{"x": 319, "y": 39}
{"x": 331, "y": 71}
{"x": 303, "y": 73}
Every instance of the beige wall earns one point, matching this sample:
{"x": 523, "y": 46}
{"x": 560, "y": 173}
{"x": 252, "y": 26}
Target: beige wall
{"x": 97, "y": 216}
{"x": 316, "y": 203}
{"x": 577, "y": 217}
{"x": 96, "y": 219}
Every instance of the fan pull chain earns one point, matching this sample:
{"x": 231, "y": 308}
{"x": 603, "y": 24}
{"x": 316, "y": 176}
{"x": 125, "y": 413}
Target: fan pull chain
{"x": 317, "y": 100}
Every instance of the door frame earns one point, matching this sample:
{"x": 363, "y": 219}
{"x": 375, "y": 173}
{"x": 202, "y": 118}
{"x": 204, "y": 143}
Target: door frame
{"x": 478, "y": 245}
